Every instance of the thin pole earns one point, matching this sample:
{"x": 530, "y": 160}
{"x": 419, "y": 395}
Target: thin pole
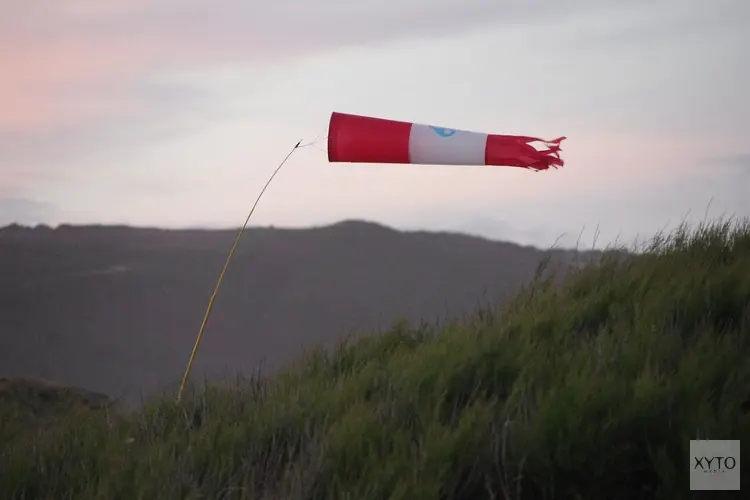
{"x": 223, "y": 272}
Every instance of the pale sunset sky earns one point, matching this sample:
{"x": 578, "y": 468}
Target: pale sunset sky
{"x": 174, "y": 112}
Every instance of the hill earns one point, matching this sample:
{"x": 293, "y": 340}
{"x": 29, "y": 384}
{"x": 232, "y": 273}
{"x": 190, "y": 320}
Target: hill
{"x": 36, "y": 402}
{"x": 116, "y": 309}
{"x": 587, "y": 387}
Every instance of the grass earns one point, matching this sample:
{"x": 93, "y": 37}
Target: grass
{"x": 587, "y": 388}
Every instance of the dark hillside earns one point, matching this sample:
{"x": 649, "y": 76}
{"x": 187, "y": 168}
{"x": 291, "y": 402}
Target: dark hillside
{"x": 116, "y": 309}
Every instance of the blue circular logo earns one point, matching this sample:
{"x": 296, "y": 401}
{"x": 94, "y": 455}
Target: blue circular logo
{"x": 443, "y": 132}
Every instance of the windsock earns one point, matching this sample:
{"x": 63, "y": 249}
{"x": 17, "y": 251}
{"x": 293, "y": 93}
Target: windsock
{"x": 364, "y": 139}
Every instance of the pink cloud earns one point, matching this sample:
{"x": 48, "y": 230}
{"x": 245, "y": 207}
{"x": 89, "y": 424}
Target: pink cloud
{"x": 87, "y": 10}
{"x": 48, "y": 87}
{"x": 66, "y": 77}
{"x": 70, "y": 62}
{"x": 14, "y": 180}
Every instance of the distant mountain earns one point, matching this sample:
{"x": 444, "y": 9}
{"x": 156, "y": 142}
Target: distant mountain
{"x": 117, "y": 309}
{"x": 27, "y": 211}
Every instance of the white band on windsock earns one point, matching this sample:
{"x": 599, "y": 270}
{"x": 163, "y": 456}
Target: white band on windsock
{"x": 441, "y": 146}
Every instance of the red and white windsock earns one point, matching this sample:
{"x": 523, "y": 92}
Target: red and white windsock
{"x": 363, "y": 139}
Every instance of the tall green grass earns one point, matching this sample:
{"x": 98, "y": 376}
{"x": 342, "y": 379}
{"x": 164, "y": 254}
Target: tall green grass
{"x": 589, "y": 388}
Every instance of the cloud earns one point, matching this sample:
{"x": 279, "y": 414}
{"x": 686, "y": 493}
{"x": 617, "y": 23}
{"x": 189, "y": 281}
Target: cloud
{"x": 75, "y": 63}
{"x": 84, "y": 82}
{"x": 734, "y": 168}
{"x": 28, "y": 212}
{"x": 80, "y": 73}
{"x": 149, "y": 110}
{"x": 733, "y": 163}
{"x": 738, "y": 160}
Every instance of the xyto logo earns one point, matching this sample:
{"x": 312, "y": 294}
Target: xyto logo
{"x": 714, "y": 465}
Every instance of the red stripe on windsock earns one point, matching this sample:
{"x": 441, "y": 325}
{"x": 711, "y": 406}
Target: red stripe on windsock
{"x": 361, "y": 139}
{"x": 515, "y": 151}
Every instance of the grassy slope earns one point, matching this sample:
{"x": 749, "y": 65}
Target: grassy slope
{"x": 589, "y": 390}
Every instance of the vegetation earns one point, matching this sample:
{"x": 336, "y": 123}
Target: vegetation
{"x": 586, "y": 387}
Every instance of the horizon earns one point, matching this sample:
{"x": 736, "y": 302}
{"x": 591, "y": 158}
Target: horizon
{"x": 173, "y": 114}
{"x": 559, "y": 245}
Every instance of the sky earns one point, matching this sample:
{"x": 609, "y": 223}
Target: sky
{"x": 174, "y": 113}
